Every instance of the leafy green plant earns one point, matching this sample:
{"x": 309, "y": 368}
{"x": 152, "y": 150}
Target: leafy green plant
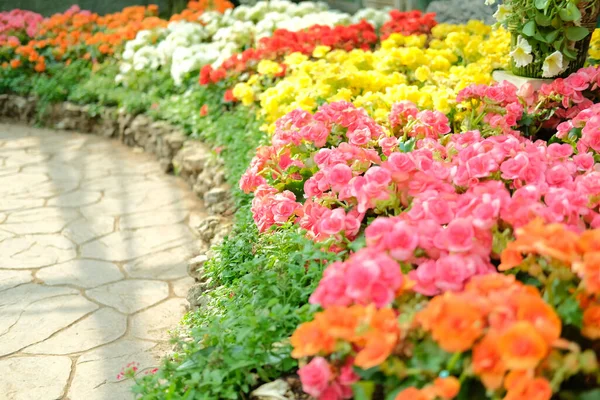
{"x": 546, "y": 33}
{"x": 260, "y": 288}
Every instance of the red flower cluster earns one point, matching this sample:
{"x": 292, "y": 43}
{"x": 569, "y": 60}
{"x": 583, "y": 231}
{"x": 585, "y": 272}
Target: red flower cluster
{"x": 283, "y": 42}
{"x": 408, "y": 23}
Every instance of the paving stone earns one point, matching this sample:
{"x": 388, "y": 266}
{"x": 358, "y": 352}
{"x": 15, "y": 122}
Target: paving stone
{"x": 39, "y": 378}
{"x": 181, "y": 286}
{"x": 96, "y": 371}
{"x": 153, "y": 218}
{"x": 8, "y": 203}
{"x": 131, "y": 295}
{"x": 41, "y": 319}
{"x": 100, "y": 327}
{"x": 75, "y": 199}
{"x": 10, "y": 279}
{"x": 129, "y": 245}
{"x": 167, "y": 265}
{"x": 81, "y": 272}
{"x": 86, "y": 229}
{"x": 155, "y": 322}
{"x": 35, "y": 251}
{"x": 39, "y": 220}
{"x": 73, "y": 206}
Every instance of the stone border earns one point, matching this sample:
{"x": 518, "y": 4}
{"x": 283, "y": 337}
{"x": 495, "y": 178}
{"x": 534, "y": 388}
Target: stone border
{"x": 190, "y": 159}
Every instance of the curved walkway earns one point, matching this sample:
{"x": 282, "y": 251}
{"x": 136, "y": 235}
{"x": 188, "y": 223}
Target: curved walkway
{"x": 94, "y": 243}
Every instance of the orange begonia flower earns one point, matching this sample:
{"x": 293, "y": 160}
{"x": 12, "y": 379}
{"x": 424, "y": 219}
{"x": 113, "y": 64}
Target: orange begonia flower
{"x": 521, "y": 385}
{"x": 377, "y": 349}
{"x": 447, "y": 388}
{"x": 459, "y": 326}
{"x": 521, "y": 346}
{"x": 589, "y": 241}
{"x": 340, "y": 322}
{"x": 310, "y": 339}
{"x": 487, "y": 362}
{"x": 552, "y": 240}
{"x": 591, "y": 322}
{"x": 15, "y": 63}
{"x": 541, "y": 315}
{"x": 412, "y": 394}
{"x": 589, "y": 271}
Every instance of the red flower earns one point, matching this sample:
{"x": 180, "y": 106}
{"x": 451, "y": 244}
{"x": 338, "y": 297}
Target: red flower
{"x": 204, "y": 110}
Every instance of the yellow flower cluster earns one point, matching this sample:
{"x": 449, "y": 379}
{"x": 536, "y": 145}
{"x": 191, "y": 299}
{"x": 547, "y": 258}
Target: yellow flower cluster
{"x": 427, "y": 70}
{"x": 594, "y": 51}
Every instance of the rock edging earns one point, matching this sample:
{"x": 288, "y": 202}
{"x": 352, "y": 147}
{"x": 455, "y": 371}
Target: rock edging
{"x": 190, "y": 159}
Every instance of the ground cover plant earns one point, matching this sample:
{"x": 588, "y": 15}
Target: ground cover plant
{"x": 407, "y": 228}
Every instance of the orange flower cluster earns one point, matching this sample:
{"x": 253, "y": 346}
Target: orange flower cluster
{"x": 507, "y": 325}
{"x": 566, "y": 249}
{"x": 442, "y": 388}
{"x": 195, "y": 9}
{"x": 83, "y": 34}
{"x": 373, "y": 334}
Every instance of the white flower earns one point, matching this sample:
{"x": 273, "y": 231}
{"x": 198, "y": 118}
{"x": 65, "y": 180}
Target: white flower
{"x": 125, "y": 68}
{"x": 522, "y": 52}
{"x": 490, "y": 2}
{"x": 502, "y": 12}
{"x": 554, "y": 65}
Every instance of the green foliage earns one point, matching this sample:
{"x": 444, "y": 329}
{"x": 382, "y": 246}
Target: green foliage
{"x": 14, "y": 81}
{"x": 101, "y": 89}
{"x": 233, "y": 129}
{"x": 56, "y": 86}
{"x": 261, "y": 285}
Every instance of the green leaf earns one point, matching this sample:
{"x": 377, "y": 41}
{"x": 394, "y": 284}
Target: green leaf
{"x": 590, "y": 395}
{"x": 541, "y": 4}
{"x": 538, "y": 36}
{"x": 542, "y": 19}
{"x": 363, "y": 390}
{"x": 570, "y": 13}
{"x": 570, "y": 312}
{"x": 551, "y": 37}
{"x": 576, "y": 33}
{"x": 570, "y": 54}
{"x": 529, "y": 28}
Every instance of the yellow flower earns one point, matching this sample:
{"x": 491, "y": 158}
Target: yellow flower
{"x": 428, "y": 73}
{"x": 320, "y": 51}
{"x": 422, "y": 73}
{"x": 268, "y": 67}
{"x": 244, "y": 92}
{"x": 295, "y": 59}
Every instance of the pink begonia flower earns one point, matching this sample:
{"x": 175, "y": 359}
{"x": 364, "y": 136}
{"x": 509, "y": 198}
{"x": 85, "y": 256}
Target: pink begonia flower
{"x": 453, "y": 271}
{"x": 332, "y": 222}
{"x": 458, "y": 236}
{"x": 315, "y": 376}
{"x": 338, "y": 176}
{"x": 425, "y": 277}
{"x": 559, "y": 151}
{"x": 584, "y": 162}
{"x": 401, "y": 241}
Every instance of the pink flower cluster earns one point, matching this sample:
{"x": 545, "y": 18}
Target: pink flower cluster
{"x": 438, "y": 209}
{"x": 320, "y": 381}
{"x": 346, "y": 171}
{"x": 563, "y": 99}
{"x": 16, "y": 23}
{"x": 406, "y": 118}
{"x": 270, "y": 207}
{"x": 496, "y": 109}
{"x": 368, "y": 276}
{"x": 587, "y": 126}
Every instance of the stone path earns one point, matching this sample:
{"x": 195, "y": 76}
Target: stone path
{"x": 94, "y": 243}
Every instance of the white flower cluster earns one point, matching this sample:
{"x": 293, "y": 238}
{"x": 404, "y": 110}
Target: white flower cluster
{"x": 185, "y": 47}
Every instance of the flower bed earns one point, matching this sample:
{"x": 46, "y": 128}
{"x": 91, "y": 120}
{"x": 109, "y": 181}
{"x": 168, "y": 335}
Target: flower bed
{"x": 405, "y": 227}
